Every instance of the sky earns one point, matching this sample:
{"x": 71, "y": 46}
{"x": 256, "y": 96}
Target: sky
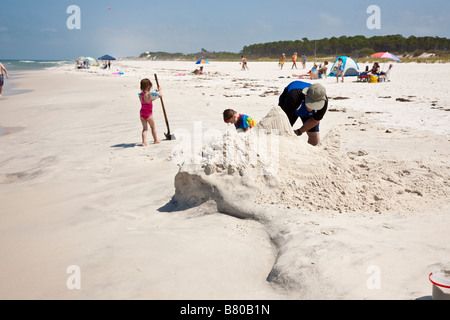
{"x": 31, "y": 29}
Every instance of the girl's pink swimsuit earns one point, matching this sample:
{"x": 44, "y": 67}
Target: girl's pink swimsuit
{"x": 147, "y": 108}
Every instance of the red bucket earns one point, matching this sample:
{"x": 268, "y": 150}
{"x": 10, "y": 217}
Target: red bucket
{"x": 441, "y": 284}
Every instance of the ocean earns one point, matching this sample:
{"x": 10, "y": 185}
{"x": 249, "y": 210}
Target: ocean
{"x": 27, "y": 65}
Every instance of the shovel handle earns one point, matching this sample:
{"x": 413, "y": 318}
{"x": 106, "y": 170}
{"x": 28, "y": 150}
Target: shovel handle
{"x": 162, "y": 104}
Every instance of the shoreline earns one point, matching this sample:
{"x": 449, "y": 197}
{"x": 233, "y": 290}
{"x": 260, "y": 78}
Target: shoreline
{"x": 96, "y": 199}
{"x": 10, "y": 85}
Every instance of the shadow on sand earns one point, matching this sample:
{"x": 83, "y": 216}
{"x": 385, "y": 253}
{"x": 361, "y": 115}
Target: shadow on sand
{"x": 126, "y": 145}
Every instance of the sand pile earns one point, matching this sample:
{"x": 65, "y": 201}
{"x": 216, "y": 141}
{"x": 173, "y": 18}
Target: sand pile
{"x": 271, "y": 166}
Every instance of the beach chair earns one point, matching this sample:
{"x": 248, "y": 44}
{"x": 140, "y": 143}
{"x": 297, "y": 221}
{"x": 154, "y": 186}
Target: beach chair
{"x": 387, "y": 74}
{"x": 363, "y": 77}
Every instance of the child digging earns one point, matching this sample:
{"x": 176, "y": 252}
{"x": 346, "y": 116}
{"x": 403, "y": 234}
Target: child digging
{"x": 240, "y": 121}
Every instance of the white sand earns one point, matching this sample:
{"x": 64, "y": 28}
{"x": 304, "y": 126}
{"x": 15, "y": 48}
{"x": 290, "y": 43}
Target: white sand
{"x": 78, "y": 189}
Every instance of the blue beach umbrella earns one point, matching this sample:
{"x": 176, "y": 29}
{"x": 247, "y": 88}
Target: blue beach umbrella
{"x": 106, "y": 57}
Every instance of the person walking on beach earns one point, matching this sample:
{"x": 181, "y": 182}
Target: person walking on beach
{"x": 241, "y": 121}
{"x": 146, "y": 98}
{"x": 294, "y": 60}
{"x": 307, "y": 102}
{"x": 282, "y": 61}
{"x": 244, "y": 63}
{"x": 303, "y": 60}
{"x": 2, "y": 69}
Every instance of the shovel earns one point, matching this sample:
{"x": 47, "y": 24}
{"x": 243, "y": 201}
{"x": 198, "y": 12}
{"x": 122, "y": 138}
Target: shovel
{"x": 168, "y": 135}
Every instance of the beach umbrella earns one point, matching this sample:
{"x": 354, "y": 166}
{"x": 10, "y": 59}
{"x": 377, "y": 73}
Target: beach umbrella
{"x": 202, "y": 61}
{"x": 91, "y": 61}
{"x": 106, "y": 57}
{"x": 386, "y": 55}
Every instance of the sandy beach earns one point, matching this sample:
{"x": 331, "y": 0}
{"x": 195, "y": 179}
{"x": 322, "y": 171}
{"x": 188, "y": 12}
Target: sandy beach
{"x": 364, "y": 215}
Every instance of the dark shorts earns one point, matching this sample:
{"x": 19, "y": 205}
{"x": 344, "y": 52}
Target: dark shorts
{"x": 1, "y": 80}
{"x": 315, "y": 129}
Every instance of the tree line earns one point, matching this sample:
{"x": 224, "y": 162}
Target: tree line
{"x": 356, "y": 46}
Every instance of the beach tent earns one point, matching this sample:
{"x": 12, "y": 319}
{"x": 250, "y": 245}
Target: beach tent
{"x": 350, "y": 67}
{"x": 106, "y": 57}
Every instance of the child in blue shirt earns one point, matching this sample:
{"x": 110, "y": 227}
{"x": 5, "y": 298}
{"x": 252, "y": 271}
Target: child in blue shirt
{"x": 240, "y": 121}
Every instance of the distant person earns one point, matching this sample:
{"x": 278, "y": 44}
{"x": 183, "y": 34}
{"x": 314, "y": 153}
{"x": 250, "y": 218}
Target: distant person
{"x": 282, "y": 61}
{"x": 312, "y": 74}
{"x": 244, "y": 63}
{"x": 340, "y": 70}
{"x": 241, "y": 121}
{"x": 109, "y": 64}
{"x": 307, "y": 102}
{"x": 294, "y": 60}
{"x": 146, "y": 98}
{"x": 2, "y": 69}
{"x": 198, "y": 71}
{"x": 323, "y": 70}
{"x": 387, "y": 74}
{"x": 375, "y": 69}
{"x": 303, "y": 60}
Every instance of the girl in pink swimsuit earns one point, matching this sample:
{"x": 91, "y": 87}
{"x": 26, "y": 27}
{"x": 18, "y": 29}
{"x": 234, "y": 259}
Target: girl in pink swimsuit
{"x": 146, "y": 98}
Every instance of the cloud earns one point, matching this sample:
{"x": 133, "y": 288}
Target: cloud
{"x": 331, "y": 20}
{"x": 3, "y": 29}
{"x": 411, "y": 23}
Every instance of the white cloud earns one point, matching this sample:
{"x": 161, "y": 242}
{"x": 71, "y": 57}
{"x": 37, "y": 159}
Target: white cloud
{"x": 331, "y": 20}
{"x": 3, "y": 29}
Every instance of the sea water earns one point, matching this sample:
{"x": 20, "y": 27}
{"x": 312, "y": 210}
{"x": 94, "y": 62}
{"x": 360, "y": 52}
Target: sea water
{"x": 28, "y": 65}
